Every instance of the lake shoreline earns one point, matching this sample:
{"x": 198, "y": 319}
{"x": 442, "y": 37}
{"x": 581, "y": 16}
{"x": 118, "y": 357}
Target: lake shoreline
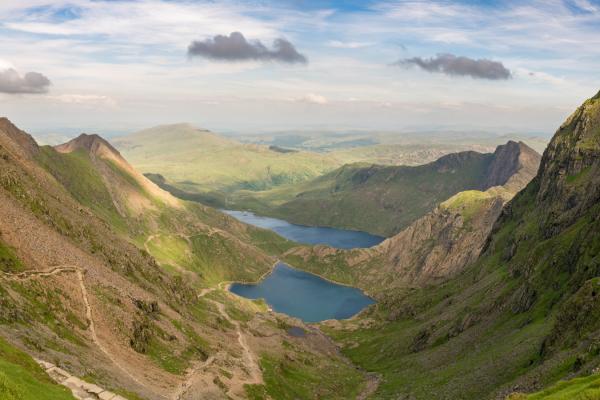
{"x": 338, "y": 238}
{"x": 304, "y": 295}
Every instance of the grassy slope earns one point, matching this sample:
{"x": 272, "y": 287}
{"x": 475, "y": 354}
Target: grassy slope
{"x": 221, "y": 248}
{"x": 21, "y": 378}
{"x": 77, "y": 174}
{"x": 199, "y": 161}
{"x": 213, "y": 257}
{"x": 586, "y": 388}
{"x": 526, "y": 314}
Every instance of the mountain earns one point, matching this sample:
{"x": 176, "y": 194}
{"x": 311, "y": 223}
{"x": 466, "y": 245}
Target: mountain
{"x": 524, "y": 314}
{"x": 111, "y": 285}
{"x": 436, "y": 246}
{"x": 200, "y": 161}
{"x": 391, "y": 197}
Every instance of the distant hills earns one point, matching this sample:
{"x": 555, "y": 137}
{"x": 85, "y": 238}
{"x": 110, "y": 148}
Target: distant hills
{"x": 199, "y": 161}
{"x": 199, "y": 165}
{"x": 438, "y": 245}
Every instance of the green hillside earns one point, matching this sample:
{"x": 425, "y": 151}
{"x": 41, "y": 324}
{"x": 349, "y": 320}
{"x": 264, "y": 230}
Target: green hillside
{"x": 201, "y": 162}
{"x": 21, "y": 378}
{"x": 525, "y": 314}
{"x": 117, "y": 282}
{"x": 385, "y": 199}
{"x": 585, "y": 388}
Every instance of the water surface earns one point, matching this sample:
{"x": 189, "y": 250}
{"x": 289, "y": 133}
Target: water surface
{"x": 305, "y": 296}
{"x": 338, "y": 238}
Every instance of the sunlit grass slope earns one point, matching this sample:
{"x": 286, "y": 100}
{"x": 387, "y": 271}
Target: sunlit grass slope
{"x": 200, "y": 161}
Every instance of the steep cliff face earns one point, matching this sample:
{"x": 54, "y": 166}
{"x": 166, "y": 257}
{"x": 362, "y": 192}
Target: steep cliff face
{"x": 525, "y": 313}
{"x": 443, "y": 242}
{"x": 570, "y": 180}
{"x": 513, "y": 167}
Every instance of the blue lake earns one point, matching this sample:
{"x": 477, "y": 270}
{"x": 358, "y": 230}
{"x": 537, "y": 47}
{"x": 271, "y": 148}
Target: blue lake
{"x": 338, "y": 238}
{"x": 304, "y": 296}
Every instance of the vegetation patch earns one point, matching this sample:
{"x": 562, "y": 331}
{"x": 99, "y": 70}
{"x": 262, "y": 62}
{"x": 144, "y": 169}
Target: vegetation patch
{"x": 21, "y": 378}
{"x": 8, "y": 260}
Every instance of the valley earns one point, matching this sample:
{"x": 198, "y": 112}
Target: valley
{"x": 142, "y": 301}
{"x": 299, "y": 200}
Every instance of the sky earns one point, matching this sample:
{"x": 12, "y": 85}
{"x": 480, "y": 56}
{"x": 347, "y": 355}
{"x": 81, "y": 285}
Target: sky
{"x": 115, "y": 66}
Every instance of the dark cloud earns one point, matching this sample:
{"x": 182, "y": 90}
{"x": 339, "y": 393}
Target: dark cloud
{"x": 32, "y": 82}
{"x": 235, "y": 47}
{"x": 450, "y": 64}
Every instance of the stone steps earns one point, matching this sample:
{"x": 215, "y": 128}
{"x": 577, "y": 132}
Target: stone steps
{"x": 82, "y": 390}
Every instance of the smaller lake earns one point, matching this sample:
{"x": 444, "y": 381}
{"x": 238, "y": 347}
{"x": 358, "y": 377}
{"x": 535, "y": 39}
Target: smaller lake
{"x": 304, "y": 296}
{"x": 338, "y": 238}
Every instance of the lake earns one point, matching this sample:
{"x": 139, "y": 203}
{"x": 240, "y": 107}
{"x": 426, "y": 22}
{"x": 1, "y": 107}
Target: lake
{"x": 338, "y": 238}
{"x": 304, "y": 296}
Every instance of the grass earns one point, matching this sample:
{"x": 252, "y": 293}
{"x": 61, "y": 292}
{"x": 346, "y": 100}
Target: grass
{"x": 80, "y": 178}
{"x": 469, "y": 203}
{"x": 21, "y": 378}
{"x": 303, "y": 376}
{"x": 8, "y": 260}
{"x": 585, "y": 388}
{"x": 199, "y": 161}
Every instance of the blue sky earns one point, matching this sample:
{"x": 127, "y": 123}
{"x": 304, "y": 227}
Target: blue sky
{"x": 119, "y": 65}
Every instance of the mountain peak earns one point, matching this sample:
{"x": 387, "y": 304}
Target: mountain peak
{"x": 21, "y": 138}
{"x": 510, "y": 160}
{"x": 91, "y": 143}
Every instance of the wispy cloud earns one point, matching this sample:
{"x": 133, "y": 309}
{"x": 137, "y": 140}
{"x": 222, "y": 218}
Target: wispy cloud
{"x": 348, "y": 45}
{"x": 12, "y": 82}
{"x": 85, "y": 99}
{"x": 235, "y": 47}
{"x": 452, "y": 65}
{"x": 311, "y": 98}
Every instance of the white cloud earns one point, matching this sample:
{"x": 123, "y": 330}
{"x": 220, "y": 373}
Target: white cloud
{"x": 84, "y": 99}
{"x": 313, "y": 99}
{"x": 348, "y": 45}
{"x": 310, "y": 98}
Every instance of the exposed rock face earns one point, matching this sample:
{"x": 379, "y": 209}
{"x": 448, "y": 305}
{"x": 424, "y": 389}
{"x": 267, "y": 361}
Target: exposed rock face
{"x": 514, "y": 165}
{"x": 570, "y": 171}
{"x": 439, "y": 244}
{"x": 445, "y": 241}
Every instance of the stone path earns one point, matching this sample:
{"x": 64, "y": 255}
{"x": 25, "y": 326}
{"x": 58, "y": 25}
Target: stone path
{"x": 88, "y": 313}
{"x": 82, "y": 390}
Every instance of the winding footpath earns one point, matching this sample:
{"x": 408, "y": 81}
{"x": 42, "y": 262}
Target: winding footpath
{"x": 76, "y": 385}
